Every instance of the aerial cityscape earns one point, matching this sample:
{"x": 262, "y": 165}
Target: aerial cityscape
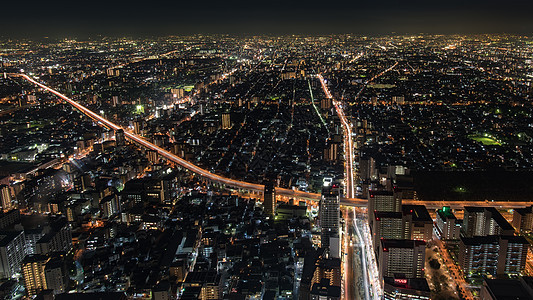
{"x": 266, "y": 165}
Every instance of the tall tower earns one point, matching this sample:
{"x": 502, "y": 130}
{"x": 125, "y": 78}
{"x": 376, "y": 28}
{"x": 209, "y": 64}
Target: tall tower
{"x": 329, "y": 214}
{"x": 269, "y": 202}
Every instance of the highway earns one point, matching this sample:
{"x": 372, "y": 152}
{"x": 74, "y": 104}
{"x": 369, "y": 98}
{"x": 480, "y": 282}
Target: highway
{"x": 352, "y": 249}
{"x": 348, "y": 142}
{"x": 372, "y": 79}
{"x": 259, "y": 188}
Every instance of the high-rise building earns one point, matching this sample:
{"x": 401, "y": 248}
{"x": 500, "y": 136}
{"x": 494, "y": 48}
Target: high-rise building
{"x": 12, "y": 252}
{"x": 493, "y": 254}
{"x": 388, "y": 225}
{"x": 500, "y": 289}
{"x": 479, "y": 254}
{"x": 177, "y": 93}
{"x": 120, "y": 138}
{"x": 9, "y": 218}
{"x": 152, "y": 156}
{"x": 419, "y": 221}
{"x": 387, "y": 201}
{"x": 331, "y": 152}
{"x": 138, "y": 126}
{"x": 5, "y": 197}
{"x": 447, "y": 226}
{"x": 226, "y": 121}
{"x": 162, "y": 291}
{"x": 402, "y": 258}
{"x": 367, "y": 168}
{"x": 523, "y": 219}
{"x": 33, "y": 273}
{"x": 269, "y": 202}
{"x": 58, "y": 239}
{"x": 329, "y": 216}
{"x": 412, "y": 223}
{"x": 482, "y": 221}
{"x": 55, "y": 274}
{"x": 512, "y": 255}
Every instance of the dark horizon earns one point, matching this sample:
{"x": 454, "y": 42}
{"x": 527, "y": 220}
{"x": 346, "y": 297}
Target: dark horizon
{"x": 64, "y": 19}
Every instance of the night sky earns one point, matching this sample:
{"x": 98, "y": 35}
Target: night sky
{"x": 144, "y": 18}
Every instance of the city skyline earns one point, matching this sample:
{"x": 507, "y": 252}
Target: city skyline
{"x": 204, "y": 151}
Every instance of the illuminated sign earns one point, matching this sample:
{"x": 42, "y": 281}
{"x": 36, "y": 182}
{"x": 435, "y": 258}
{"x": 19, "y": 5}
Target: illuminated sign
{"x": 400, "y": 281}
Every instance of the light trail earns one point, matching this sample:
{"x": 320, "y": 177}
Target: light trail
{"x": 348, "y": 143}
{"x": 364, "y": 259}
{"x": 374, "y": 78}
{"x": 347, "y": 201}
{"x": 259, "y": 188}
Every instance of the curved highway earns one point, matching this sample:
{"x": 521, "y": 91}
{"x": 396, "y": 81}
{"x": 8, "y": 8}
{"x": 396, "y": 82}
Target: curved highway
{"x": 259, "y": 188}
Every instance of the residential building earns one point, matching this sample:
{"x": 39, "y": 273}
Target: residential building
{"x": 448, "y": 227}
{"x": 402, "y": 258}
{"x": 12, "y": 252}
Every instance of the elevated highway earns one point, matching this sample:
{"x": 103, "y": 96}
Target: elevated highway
{"x": 253, "y": 188}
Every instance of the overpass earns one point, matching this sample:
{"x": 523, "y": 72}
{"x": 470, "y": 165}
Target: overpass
{"x": 254, "y": 188}
{"x": 226, "y": 182}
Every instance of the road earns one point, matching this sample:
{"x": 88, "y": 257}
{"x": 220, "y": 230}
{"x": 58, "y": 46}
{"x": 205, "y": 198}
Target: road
{"x": 348, "y": 142}
{"x": 353, "y": 270}
{"x": 259, "y": 188}
{"x": 455, "y": 270}
{"x": 348, "y": 257}
{"x": 372, "y": 79}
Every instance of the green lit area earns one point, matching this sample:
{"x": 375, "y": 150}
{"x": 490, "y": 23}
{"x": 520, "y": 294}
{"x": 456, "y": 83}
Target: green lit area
{"x": 139, "y": 109}
{"x": 485, "y": 139}
{"x": 460, "y": 189}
